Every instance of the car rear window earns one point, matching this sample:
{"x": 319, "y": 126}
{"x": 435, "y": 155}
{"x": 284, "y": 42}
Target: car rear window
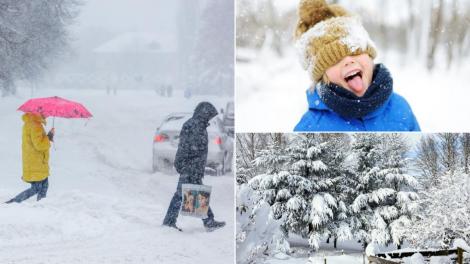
{"x": 176, "y": 123}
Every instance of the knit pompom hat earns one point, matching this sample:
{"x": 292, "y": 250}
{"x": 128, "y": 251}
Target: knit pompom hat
{"x": 325, "y": 34}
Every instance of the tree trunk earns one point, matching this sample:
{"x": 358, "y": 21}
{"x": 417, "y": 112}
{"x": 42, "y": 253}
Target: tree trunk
{"x": 434, "y": 33}
{"x": 452, "y": 34}
{"x": 466, "y": 151}
{"x": 274, "y": 23}
{"x": 335, "y": 242}
{"x": 411, "y": 40}
{"x": 449, "y": 151}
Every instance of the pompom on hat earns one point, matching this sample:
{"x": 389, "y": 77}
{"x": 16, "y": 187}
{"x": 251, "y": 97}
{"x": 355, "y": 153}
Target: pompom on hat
{"x": 325, "y": 34}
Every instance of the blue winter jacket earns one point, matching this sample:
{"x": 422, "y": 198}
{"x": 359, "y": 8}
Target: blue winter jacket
{"x": 394, "y": 115}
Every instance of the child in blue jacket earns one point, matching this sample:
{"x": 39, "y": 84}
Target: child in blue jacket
{"x": 350, "y": 93}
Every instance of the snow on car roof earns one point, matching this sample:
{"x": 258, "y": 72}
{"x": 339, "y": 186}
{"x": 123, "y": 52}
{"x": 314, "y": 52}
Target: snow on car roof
{"x": 175, "y": 121}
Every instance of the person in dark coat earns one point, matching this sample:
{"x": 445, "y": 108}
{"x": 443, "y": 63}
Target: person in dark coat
{"x": 190, "y": 162}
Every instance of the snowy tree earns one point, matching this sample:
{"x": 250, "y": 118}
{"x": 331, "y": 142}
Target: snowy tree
{"x": 448, "y": 150}
{"x": 246, "y": 149}
{"x": 258, "y": 233}
{"x": 308, "y": 159}
{"x": 367, "y": 155}
{"x": 427, "y": 159}
{"x": 340, "y": 172}
{"x": 465, "y": 143}
{"x": 251, "y": 146}
{"x": 272, "y": 158}
{"x": 303, "y": 193}
{"x": 444, "y": 211}
{"x": 400, "y": 208}
{"x": 445, "y": 214}
{"x": 32, "y": 35}
{"x": 212, "y": 60}
{"x": 386, "y": 197}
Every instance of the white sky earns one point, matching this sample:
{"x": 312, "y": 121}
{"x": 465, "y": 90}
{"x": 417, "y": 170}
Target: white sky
{"x": 127, "y": 15}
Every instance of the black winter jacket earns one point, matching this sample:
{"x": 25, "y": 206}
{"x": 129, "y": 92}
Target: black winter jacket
{"x": 191, "y": 156}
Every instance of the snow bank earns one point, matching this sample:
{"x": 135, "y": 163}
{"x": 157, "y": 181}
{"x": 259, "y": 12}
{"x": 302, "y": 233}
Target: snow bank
{"x": 336, "y": 260}
{"x": 417, "y": 258}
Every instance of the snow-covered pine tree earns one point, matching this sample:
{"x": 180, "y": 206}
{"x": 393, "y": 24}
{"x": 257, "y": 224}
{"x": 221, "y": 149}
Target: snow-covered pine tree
{"x": 341, "y": 173}
{"x": 272, "y": 158}
{"x": 321, "y": 159}
{"x": 367, "y": 155}
{"x": 398, "y": 209}
{"x": 310, "y": 193}
{"x": 386, "y": 194}
{"x": 310, "y": 214}
{"x": 289, "y": 192}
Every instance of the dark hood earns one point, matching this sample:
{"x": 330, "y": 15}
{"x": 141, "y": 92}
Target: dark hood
{"x": 205, "y": 111}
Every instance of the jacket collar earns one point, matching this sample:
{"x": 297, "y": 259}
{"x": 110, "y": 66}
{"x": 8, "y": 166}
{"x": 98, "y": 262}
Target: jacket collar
{"x": 315, "y": 103}
{"x": 29, "y": 117}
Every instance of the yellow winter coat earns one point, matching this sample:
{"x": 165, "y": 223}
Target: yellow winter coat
{"x": 35, "y": 149}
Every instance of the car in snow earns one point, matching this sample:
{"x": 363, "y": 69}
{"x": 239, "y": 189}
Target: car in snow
{"x": 166, "y": 139}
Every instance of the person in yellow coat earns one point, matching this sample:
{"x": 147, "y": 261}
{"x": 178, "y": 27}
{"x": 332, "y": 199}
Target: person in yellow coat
{"x": 35, "y": 148}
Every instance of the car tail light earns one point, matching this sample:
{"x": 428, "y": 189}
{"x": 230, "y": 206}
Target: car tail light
{"x": 218, "y": 141}
{"x": 160, "y": 138}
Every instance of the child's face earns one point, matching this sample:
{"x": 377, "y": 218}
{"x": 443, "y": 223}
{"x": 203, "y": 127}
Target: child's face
{"x": 353, "y": 73}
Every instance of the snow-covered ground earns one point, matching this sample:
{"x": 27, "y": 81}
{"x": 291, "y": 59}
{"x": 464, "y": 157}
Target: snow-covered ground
{"x": 270, "y": 92}
{"x": 104, "y": 205}
{"x": 347, "y": 252}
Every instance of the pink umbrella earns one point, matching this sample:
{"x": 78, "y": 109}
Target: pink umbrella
{"x": 56, "y": 107}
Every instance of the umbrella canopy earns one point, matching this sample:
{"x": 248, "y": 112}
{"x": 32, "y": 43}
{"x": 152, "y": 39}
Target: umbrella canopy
{"x": 56, "y": 107}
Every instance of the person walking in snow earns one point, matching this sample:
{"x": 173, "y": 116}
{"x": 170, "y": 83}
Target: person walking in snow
{"x": 35, "y": 151}
{"x": 190, "y": 162}
{"x": 349, "y": 92}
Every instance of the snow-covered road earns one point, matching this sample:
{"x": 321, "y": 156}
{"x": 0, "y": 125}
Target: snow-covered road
{"x": 104, "y": 205}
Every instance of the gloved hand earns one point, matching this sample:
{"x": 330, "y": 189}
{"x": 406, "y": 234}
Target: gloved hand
{"x": 50, "y": 135}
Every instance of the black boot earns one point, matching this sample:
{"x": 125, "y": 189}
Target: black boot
{"x": 10, "y": 201}
{"x": 213, "y": 225}
{"x": 174, "y": 226}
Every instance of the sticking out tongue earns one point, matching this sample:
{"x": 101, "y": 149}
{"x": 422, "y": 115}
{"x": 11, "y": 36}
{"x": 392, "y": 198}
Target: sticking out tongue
{"x": 356, "y": 84}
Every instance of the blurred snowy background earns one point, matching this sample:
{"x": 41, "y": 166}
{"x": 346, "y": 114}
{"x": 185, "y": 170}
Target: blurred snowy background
{"x": 115, "y": 45}
{"x": 425, "y": 44}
